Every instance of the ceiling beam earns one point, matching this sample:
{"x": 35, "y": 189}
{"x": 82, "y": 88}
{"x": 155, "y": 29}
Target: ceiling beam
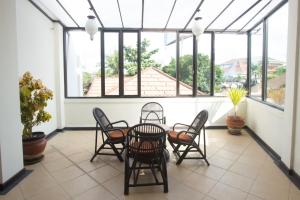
{"x": 120, "y": 13}
{"x": 95, "y": 12}
{"x": 196, "y": 10}
{"x": 170, "y": 14}
{"x": 227, "y": 6}
{"x": 278, "y": 6}
{"x": 67, "y": 12}
{"x": 241, "y": 15}
{"x": 256, "y": 15}
{"x": 45, "y": 14}
{"x": 143, "y": 6}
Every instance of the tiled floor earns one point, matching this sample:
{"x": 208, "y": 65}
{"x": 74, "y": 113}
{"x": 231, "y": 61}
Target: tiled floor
{"x": 239, "y": 169}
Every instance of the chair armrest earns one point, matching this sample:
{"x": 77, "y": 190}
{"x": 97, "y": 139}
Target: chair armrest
{"x": 179, "y": 124}
{"x": 121, "y": 121}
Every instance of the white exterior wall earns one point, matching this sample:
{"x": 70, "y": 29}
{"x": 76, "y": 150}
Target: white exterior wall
{"x": 78, "y": 112}
{"x": 11, "y": 157}
{"x": 37, "y": 53}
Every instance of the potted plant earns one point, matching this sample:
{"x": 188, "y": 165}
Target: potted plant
{"x": 235, "y": 123}
{"x": 33, "y": 100}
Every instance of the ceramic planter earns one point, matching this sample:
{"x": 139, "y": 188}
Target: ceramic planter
{"x": 235, "y": 124}
{"x": 33, "y": 148}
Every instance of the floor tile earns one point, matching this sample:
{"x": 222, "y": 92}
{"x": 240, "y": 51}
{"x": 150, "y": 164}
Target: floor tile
{"x": 237, "y": 181}
{"x": 104, "y": 173}
{"x": 59, "y": 164}
{"x": 55, "y": 193}
{"x": 68, "y": 173}
{"x": 96, "y": 193}
{"x": 211, "y": 171}
{"x": 225, "y": 192}
{"x": 269, "y": 191}
{"x": 200, "y": 182}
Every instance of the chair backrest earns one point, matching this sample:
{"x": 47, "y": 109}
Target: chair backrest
{"x": 199, "y": 121}
{"x": 152, "y": 112}
{"x": 146, "y": 138}
{"x": 101, "y": 119}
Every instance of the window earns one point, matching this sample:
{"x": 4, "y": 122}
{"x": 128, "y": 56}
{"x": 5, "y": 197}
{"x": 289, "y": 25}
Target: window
{"x": 231, "y": 62}
{"x": 83, "y": 64}
{"x": 277, "y": 53}
{"x": 185, "y": 68}
{"x": 256, "y": 62}
{"x": 204, "y": 64}
{"x": 158, "y": 64}
{"x": 130, "y": 57}
{"x": 111, "y": 66}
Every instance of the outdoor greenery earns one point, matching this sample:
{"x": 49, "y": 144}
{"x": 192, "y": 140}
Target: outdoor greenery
{"x": 130, "y": 59}
{"x": 33, "y": 100}
{"x": 236, "y": 95}
{"x": 185, "y": 69}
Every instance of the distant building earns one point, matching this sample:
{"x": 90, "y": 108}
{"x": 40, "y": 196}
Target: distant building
{"x": 154, "y": 82}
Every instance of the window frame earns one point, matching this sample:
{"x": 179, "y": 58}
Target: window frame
{"x": 264, "y": 22}
{"x": 121, "y": 63}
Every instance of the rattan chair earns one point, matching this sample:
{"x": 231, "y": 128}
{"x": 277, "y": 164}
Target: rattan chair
{"x": 189, "y": 138}
{"x": 144, "y": 151}
{"x": 111, "y": 135}
{"x": 152, "y": 112}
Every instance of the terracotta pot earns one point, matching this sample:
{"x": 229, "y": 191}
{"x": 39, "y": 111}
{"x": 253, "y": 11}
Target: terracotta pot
{"x": 33, "y": 148}
{"x": 235, "y": 124}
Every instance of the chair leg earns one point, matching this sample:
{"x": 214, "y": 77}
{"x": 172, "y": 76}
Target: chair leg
{"x": 183, "y": 155}
{"x": 126, "y": 176}
{"x": 165, "y": 175}
{"x": 202, "y": 154}
{"x": 118, "y": 154}
{"x": 96, "y": 153}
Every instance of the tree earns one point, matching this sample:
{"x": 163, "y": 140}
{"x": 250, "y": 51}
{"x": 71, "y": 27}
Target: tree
{"x": 203, "y": 72}
{"x": 130, "y": 59}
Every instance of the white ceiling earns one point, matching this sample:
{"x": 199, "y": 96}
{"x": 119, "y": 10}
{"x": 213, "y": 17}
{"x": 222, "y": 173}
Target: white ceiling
{"x": 159, "y": 14}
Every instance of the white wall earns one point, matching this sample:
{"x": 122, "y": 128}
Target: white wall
{"x": 37, "y": 53}
{"x": 278, "y": 128}
{"x": 296, "y": 152}
{"x": 78, "y": 112}
{"x": 11, "y": 158}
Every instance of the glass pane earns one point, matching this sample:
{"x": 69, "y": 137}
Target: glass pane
{"x": 132, "y": 18}
{"x": 277, "y": 56}
{"x": 156, "y": 13}
{"x": 78, "y": 9}
{"x": 230, "y": 62}
{"x": 158, "y": 62}
{"x": 185, "y": 75}
{"x": 183, "y": 10}
{"x": 111, "y": 50}
{"x": 55, "y": 11}
{"x": 204, "y": 64}
{"x": 265, "y": 11}
{"x": 242, "y": 21}
{"x": 83, "y": 64}
{"x": 235, "y": 9}
{"x": 108, "y": 12}
{"x": 210, "y": 10}
{"x": 256, "y": 61}
{"x": 130, "y": 64}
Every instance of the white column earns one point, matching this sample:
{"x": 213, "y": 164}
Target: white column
{"x": 11, "y": 156}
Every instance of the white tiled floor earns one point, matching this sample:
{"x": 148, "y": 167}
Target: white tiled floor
{"x": 239, "y": 169}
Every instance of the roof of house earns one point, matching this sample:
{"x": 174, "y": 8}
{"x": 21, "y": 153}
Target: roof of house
{"x": 154, "y": 82}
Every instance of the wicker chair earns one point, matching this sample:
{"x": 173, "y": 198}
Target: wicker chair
{"x": 152, "y": 112}
{"x": 188, "y": 138}
{"x": 144, "y": 150}
{"x": 111, "y": 135}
